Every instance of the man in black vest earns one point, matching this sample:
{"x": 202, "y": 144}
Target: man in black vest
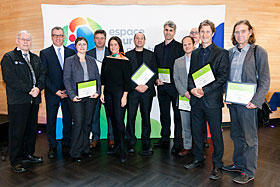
{"x": 24, "y": 77}
{"x": 141, "y": 94}
{"x": 166, "y": 53}
{"x": 53, "y": 59}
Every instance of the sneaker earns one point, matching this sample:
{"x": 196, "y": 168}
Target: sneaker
{"x": 216, "y": 174}
{"x": 18, "y": 168}
{"x": 242, "y": 179}
{"x": 231, "y": 168}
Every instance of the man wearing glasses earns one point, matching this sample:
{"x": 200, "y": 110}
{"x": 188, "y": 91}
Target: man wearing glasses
{"x": 24, "y": 77}
{"x": 53, "y": 61}
{"x": 195, "y": 35}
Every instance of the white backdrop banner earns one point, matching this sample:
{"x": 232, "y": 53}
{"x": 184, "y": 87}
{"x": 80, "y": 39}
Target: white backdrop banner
{"x": 126, "y": 20}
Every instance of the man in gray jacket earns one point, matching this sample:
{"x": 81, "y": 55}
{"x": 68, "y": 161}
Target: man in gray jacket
{"x": 180, "y": 74}
{"x": 249, "y": 64}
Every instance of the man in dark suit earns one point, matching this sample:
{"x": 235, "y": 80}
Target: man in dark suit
{"x": 99, "y": 52}
{"x": 207, "y": 102}
{"x": 166, "y": 53}
{"x": 140, "y": 95}
{"x": 24, "y": 77}
{"x": 53, "y": 60}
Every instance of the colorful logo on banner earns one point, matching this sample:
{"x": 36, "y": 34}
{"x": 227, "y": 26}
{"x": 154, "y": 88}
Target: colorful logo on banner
{"x": 80, "y": 27}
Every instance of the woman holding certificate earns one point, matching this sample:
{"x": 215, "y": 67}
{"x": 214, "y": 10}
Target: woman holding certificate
{"x": 115, "y": 85}
{"x": 82, "y": 83}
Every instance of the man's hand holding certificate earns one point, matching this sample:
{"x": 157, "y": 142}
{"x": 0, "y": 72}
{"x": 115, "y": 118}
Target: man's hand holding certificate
{"x": 184, "y": 104}
{"x": 142, "y": 75}
{"x": 86, "y": 88}
{"x": 240, "y": 93}
{"x": 164, "y": 75}
{"x": 203, "y": 76}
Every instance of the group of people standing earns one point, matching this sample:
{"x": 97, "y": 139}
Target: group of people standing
{"x": 59, "y": 69}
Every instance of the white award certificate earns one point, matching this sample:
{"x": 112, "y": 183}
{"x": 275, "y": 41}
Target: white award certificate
{"x": 86, "y": 88}
{"x": 184, "y": 104}
{"x": 240, "y": 93}
{"x": 164, "y": 75}
{"x": 203, "y": 76}
{"x": 142, "y": 75}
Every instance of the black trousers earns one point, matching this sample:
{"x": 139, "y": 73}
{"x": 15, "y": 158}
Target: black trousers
{"x": 165, "y": 96}
{"x": 145, "y": 102}
{"x": 22, "y": 130}
{"x": 82, "y": 113}
{"x": 199, "y": 114}
{"x": 116, "y": 112}
{"x": 52, "y": 105}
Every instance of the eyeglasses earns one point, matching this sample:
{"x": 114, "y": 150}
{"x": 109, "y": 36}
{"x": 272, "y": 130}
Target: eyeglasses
{"x": 58, "y": 35}
{"x": 192, "y": 32}
{"x": 25, "y": 40}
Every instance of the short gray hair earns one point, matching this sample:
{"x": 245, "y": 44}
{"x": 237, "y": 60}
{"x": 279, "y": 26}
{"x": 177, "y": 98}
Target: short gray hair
{"x": 25, "y": 32}
{"x": 170, "y": 24}
{"x": 57, "y": 28}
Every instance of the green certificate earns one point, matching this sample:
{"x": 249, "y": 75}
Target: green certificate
{"x": 240, "y": 93}
{"x": 142, "y": 75}
{"x": 86, "y": 88}
{"x": 184, "y": 104}
{"x": 203, "y": 76}
{"x": 164, "y": 75}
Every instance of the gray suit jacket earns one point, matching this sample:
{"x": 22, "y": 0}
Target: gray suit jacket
{"x": 252, "y": 69}
{"x": 73, "y": 73}
{"x": 180, "y": 75}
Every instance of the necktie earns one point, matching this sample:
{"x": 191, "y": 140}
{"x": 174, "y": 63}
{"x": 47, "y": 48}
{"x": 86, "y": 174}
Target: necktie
{"x": 30, "y": 68}
{"x": 60, "y": 57}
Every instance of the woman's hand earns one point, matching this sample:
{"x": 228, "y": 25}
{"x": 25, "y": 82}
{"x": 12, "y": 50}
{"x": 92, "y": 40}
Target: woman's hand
{"x": 123, "y": 101}
{"x": 94, "y": 96}
{"x": 102, "y": 98}
{"x": 76, "y": 99}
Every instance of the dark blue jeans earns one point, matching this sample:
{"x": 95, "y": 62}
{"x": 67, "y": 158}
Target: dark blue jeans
{"x": 243, "y": 132}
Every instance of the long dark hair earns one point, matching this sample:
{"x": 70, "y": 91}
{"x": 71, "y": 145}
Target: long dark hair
{"x": 252, "y": 38}
{"x": 118, "y": 40}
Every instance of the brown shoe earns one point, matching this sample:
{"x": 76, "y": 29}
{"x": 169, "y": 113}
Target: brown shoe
{"x": 111, "y": 144}
{"x": 184, "y": 152}
{"x": 94, "y": 144}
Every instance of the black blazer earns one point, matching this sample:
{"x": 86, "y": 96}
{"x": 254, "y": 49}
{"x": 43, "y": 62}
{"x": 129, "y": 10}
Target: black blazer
{"x": 92, "y": 52}
{"x": 213, "y": 92}
{"x": 16, "y": 75}
{"x": 54, "y": 72}
{"x": 73, "y": 73}
{"x": 175, "y": 51}
{"x": 150, "y": 60}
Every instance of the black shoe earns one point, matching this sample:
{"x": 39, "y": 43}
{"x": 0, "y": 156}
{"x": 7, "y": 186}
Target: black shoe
{"x": 231, "y": 168}
{"x": 87, "y": 155}
{"x": 146, "y": 153}
{"x": 216, "y": 174}
{"x": 113, "y": 151}
{"x": 176, "y": 149}
{"x": 131, "y": 149}
{"x": 52, "y": 153}
{"x": 77, "y": 159}
{"x": 242, "y": 179}
{"x": 18, "y": 168}
{"x": 162, "y": 144}
{"x": 206, "y": 145}
{"x": 194, "y": 164}
{"x": 33, "y": 159}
